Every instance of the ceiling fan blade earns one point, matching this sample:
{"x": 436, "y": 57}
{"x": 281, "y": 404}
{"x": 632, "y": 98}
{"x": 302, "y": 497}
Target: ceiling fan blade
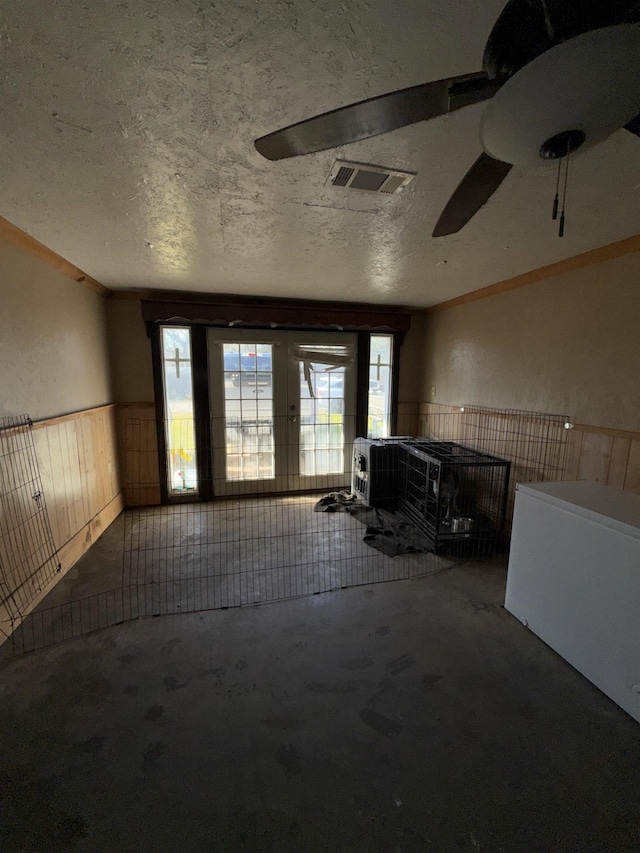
{"x": 634, "y": 125}
{"x": 377, "y": 115}
{"x": 474, "y": 190}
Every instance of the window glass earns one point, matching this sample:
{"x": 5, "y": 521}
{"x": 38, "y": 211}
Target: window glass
{"x": 179, "y": 416}
{"x": 380, "y": 374}
{"x": 248, "y": 411}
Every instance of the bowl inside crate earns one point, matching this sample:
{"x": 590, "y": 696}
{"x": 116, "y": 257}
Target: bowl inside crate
{"x": 461, "y": 524}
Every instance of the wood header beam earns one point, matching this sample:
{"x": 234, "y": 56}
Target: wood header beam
{"x": 14, "y": 235}
{"x": 576, "y": 262}
{"x": 280, "y": 313}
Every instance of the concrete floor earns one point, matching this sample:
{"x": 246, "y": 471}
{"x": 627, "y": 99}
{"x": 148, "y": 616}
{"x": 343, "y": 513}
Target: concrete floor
{"x": 208, "y": 556}
{"x": 409, "y": 716}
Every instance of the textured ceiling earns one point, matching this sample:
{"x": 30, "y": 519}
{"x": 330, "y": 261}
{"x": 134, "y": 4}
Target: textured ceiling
{"x": 126, "y": 145}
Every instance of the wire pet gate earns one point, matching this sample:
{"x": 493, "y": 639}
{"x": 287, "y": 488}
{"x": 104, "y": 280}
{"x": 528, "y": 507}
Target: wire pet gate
{"x": 534, "y": 443}
{"x": 28, "y": 560}
{"x": 239, "y": 550}
{"x": 189, "y": 558}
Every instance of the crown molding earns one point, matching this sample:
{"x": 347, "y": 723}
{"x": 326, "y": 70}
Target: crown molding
{"x": 576, "y": 262}
{"x": 17, "y": 237}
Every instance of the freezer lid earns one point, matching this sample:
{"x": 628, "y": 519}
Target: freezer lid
{"x": 605, "y": 505}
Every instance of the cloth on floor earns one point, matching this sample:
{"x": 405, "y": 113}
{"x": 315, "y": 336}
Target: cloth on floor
{"x": 386, "y": 531}
{"x": 336, "y": 502}
{"x": 394, "y": 535}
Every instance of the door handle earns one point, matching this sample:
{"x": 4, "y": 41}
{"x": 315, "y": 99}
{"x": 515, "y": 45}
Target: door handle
{"x": 293, "y": 419}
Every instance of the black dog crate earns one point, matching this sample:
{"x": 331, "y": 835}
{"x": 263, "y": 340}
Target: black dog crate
{"x": 454, "y": 494}
{"x": 375, "y": 470}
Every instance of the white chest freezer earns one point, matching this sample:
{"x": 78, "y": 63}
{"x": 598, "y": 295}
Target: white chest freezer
{"x": 574, "y": 580}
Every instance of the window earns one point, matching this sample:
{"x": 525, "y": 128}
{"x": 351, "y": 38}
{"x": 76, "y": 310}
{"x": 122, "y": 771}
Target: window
{"x": 321, "y": 376}
{"x": 178, "y": 405}
{"x": 248, "y": 411}
{"x": 379, "y": 399}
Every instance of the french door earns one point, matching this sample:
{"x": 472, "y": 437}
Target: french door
{"x": 282, "y": 410}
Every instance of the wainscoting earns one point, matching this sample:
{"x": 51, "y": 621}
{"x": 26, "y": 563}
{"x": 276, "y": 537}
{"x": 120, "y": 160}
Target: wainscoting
{"x": 607, "y": 456}
{"x": 80, "y": 479}
{"x": 583, "y": 453}
{"x": 604, "y": 455}
{"x": 138, "y": 453}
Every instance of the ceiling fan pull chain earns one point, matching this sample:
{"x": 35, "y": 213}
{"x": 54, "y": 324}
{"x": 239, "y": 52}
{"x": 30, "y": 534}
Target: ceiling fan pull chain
{"x": 564, "y": 199}
{"x": 555, "y": 201}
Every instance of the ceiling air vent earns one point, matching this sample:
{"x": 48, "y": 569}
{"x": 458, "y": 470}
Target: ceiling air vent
{"x": 373, "y": 179}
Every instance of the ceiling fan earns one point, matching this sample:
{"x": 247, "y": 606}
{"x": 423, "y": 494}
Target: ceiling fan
{"x": 558, "y": 76}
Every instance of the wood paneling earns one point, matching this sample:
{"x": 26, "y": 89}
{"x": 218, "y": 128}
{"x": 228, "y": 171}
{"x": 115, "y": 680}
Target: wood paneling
{"x": 619, "y": 461}
{"x": 632, "y": 473}
{"x": 572, "y": 460}
{"x": 439, "y": 421}
{"x": 138, "y": 453}
{"x": 78, "y": 461}
{"x": 595, "y": 457}
{"x": 601, "y": 454}
{"x": 607, "y": 456}
{"x": 79, "y": 470}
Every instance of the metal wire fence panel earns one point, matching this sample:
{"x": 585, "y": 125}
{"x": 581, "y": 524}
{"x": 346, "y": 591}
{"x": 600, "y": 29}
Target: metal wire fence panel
{"x": 50, "y": 625}
{"x": 250, "y": 550}
{"x": 308, "y": 511}
{"x": 28, "y": 558}
{"x": 534, "y": 443}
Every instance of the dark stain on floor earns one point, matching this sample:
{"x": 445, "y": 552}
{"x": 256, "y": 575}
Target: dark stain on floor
{"x": 154, "y": 712}
{"x": 170, "y": 646}
{"x": 281, "y": 721}
{"x": 379, "y": 722}
{"x": 152, "y": 753}
{"x": 287, "y": 757}
{"x": 357, "y": 663}
{"x": 264, "y": 831}
{"x": 93, "y": 745}
{"x": 340, "y": 688}
{"x": 395, "y": 667}
{"x": 219, "y": 672}
{"x": 32, "y": 822}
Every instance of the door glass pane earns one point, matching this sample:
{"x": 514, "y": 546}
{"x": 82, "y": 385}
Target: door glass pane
{"x": 248, "y": 411}
{"x": 379, "y": 404}
{"x": 322, "y": 408}
{"x": 178, "y": 398}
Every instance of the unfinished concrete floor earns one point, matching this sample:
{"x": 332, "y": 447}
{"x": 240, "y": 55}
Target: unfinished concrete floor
{"x": 416, "y": 715}
{"x": 208, "y": 556}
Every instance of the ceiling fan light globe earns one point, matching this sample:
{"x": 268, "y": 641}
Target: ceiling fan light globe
{"x": 590, "y": 83}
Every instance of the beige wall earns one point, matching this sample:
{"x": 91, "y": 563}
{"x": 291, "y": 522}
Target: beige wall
{"x": 567, "y": 345}
{"x": 411, "y": 361}
{"x": 53, "y": 340}
{"x": 53, "y": 362}
{"x": 130, "y": 352}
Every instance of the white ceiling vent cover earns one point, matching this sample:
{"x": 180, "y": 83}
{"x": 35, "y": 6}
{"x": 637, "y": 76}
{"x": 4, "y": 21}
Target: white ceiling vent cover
{"x": 373, "y": 179}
